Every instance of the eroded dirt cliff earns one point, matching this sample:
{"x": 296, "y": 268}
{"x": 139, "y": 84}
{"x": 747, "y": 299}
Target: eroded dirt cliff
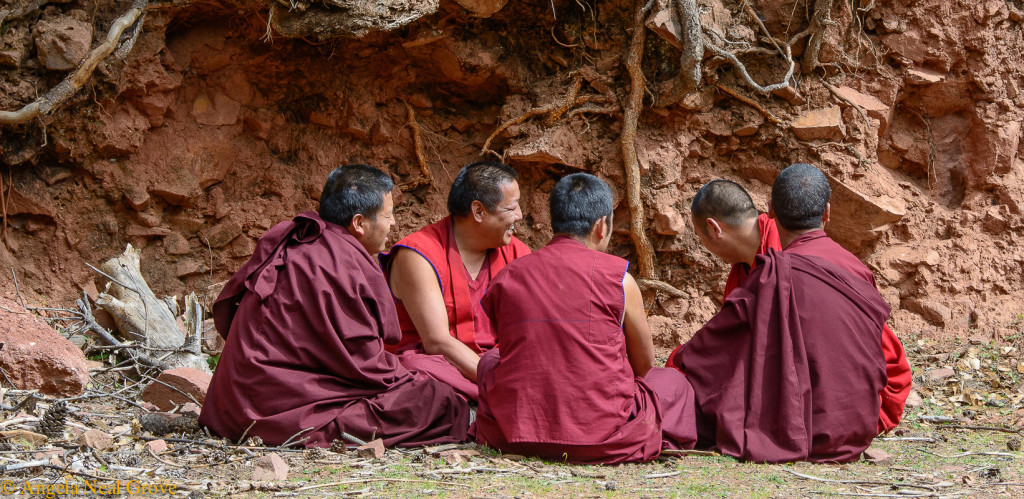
{"x": 215, "y": 126}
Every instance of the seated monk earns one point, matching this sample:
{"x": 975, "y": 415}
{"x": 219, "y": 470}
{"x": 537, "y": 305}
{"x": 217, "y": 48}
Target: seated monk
{"x": 573, "y": 379}
{"x": 729, "y": 226}
{"x": 305, "y": 321}
{"x": 791, "y": 368}
{"x": 439, "y": 273}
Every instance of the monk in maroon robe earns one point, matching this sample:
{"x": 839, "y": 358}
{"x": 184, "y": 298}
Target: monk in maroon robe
{"x": 439, "y": 273}
{"x": 573, "y": 380}
{"x": 305, "y": 321}
{"x": 791, "y": 368}
{"x": 727, "y": 223}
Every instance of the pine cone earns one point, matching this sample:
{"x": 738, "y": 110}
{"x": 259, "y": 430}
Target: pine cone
{"x": 52, "y": 423}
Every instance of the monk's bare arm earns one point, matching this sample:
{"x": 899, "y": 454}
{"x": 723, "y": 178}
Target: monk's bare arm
{"x": 414, "y": 282}
{"x": 639, "y": 345}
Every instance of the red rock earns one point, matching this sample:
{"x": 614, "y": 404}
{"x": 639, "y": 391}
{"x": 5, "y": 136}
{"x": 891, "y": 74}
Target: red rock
{"x": 939, "y": 374}
{"x": 816, "y": 124}
{"x": 220, "y": 110}
{"x": 372, "y": 450}
{"x": 32, "y": 438}
{"x": 664, "y": 22}
{"x": 222, "y": 234}
{"x": 877, "y": 456}
{"x": 669, "y": 222}
{"x": 185, "y": 379}
{"x": 96, "y": 439}
{"x": 62, "y": 43}
{"x": 176, "y": 244}
{"x": 190, "y": 409}
{"x": 140, "y": 231}
{"x": 871, "y": 105}
{"x": 35, "y": 357}
{"x": 456, "y": 456}
{"x": 482, "y": 8}
{"x": 914, "y": 399}
{"x": 924, "y": 76}
{"x": 157, "y": 446}
{"x": 269, "y": 467}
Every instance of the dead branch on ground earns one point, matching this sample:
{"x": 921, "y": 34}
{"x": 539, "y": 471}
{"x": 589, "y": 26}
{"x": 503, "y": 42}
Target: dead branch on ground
{"x": 65, "y": 89}
{"x": 425, "y": 178}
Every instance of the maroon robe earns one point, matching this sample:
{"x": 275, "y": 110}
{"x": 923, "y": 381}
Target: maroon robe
{"x": 562, "y": 386}
{"x": 899, "y": 377}
{"x": 305, "y": 321}
{"x": 790, "y": 369}
{"x": 466, "y": 321}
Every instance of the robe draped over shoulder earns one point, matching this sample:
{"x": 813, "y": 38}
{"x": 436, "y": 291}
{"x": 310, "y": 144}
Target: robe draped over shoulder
{"x": 304, "y": 322}
{"x": 778, "y": 380}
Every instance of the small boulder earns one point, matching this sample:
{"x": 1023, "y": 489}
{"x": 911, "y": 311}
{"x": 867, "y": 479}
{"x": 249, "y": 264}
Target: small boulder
{"x": 62, "y": 42}
{"x": 269, "y": 467}
{"x": 872, "y": 106}
{"x": 23, "y": 436}
{"x": 482, "y": 8}
{"x": 371, "y": 450}
{"x": 877, "y": 456}
{"x": 157, "y": 446}
{"x": 819, "y": 124}
{"x": 167, "y": 390}
{"x": 924, "y": 76}
{"x": 35, "y": 357}
{"x": 914, "y": 399}
{"x": 96, "y": 439}
{"x": 939, "y": 374}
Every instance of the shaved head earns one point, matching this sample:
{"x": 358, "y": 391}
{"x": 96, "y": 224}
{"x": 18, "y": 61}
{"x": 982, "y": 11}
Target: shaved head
{"x": 725, "y": 201}
{"x": 800, "y": 196}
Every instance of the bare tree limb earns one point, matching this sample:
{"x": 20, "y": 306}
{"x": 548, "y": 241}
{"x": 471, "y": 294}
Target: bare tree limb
{"x": 74, "y": 81}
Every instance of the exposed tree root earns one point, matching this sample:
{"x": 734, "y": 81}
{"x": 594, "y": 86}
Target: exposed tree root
{"x": 74, "y": 81}
{"x": 742, "y": 68}
{"x": 693, "y": 44}
{"x": 819, "y": 22}
{"x": 425, "y": 178}
{"x": 663, "y": 287}
{"x": 631, "y": 115}
{"x": 750, "y": 102}
{"x": 553, "y": 111}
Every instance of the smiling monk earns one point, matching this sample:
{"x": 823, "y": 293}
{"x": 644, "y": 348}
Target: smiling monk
{"x": 439, "y": 273}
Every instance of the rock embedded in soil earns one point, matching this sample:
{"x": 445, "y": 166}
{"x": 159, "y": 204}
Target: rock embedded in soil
{"x": 15, "y": 436}
{"x": 35, "y": 357}
{"x": 371, "y": 450}
{"x": 877, "y": 456}
{"x": 185, "y": 380}
{"x": 940, "y": 374}
{"x": 61, "y": 43}
{"x": 96, "y": 439}
{"x": 269, "y": 467}
{"x": 819, "y": 124}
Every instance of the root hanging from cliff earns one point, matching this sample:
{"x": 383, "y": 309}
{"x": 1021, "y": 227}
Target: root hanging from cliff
{"x": 820, "y": 21}
{"x": 65, "y": 89}
{"x": 425, "y": 178}
{"x": 556, "y": 111}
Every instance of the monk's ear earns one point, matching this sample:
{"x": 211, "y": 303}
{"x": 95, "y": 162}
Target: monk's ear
{"x": 476, "y": 210}
{"x": 357, "y": 226}
{"x": 714, "y": 228}
{"x": 828, "y": 213}
{"x": 600, "y": 229}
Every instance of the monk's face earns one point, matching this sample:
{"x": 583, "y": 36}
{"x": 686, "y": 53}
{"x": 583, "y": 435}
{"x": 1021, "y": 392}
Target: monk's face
{"x": 499, "y": 224}
{"x": 376, "y": 229}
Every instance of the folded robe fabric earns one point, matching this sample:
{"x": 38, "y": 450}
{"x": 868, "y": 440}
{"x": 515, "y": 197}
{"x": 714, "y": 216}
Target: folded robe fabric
{"x": 790, "y": 369}
{"x": 305, "y": 320}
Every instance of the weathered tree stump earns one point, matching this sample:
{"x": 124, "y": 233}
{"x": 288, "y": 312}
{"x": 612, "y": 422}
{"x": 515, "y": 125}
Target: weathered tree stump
{"x": 142, "y": 317}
